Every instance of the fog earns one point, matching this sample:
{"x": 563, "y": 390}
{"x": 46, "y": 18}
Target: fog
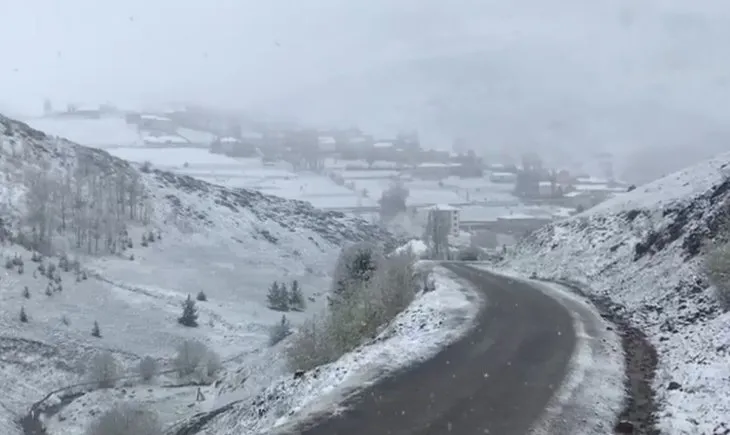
{"x": 556, "y": 75}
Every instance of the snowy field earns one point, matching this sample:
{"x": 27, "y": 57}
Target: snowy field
{"x": 100, "y": 133}
{"x": 642, "y": 251}
{"x": 248, "y": 173}
{"x": 106, "y": 132}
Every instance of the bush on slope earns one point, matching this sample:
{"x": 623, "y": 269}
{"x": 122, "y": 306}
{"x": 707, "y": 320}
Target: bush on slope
{"x": 368, "y": 290}
{"x": 644, "y": 250}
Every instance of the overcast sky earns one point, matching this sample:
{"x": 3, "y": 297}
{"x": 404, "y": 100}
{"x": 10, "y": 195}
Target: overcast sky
{"x": 521, "y": 72}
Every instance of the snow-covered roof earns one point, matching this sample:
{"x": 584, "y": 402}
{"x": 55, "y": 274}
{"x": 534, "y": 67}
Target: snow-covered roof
{"x": 155, "y": 117}
{"x": 229, "y": 139}
{"x": 437, "y": 165}
{"x": 503, "y": 174}
{"x": 444, "y": 207}
{"x": 545, "y": 184}
{"x": 164, "y": 139}
{"x": 592, "y": 180}
{"x": 519, "y": 216}
{"x": 576, "y": 193}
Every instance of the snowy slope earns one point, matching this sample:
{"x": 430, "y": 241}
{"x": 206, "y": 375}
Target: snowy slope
{"x": 229, "y": 243}
{"x": 642, "y": 250}
{"x": 257, "y": 400}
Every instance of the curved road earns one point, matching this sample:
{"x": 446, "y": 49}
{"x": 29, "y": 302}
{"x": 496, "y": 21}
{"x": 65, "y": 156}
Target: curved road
{"x": 499, "y": 379}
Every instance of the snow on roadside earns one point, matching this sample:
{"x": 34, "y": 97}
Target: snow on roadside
{"x": 641, "y": 250}
{"x": 432, "y": 321}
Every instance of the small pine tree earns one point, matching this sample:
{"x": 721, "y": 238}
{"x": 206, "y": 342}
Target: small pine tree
{"x": 51, "y": 271}
{"x": 284, "y": 297}
{"x": 23, "y": 316}
{"x": 190, "y": 314}
{"x": 95, "y": 330}
{"x": 26, "y": 292}
{"x": 296, "y": 297}
{"x": 202, "y": 297}
{"x": 278, "y": 297}
{"x": 49, "y": 290}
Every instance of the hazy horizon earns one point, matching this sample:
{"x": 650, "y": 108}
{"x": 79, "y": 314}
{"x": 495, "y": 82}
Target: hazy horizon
{"x": 565, "y": 76}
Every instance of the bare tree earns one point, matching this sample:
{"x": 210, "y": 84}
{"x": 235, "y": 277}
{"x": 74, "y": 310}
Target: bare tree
{"x": 103, "y": 369}
{"x": 437, "y": 233}
{"x": 191, "y": 354}
{"x": 147, "y": 368}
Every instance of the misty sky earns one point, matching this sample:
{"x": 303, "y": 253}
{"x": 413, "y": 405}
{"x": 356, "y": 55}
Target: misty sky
{"x": 520, "y": 72}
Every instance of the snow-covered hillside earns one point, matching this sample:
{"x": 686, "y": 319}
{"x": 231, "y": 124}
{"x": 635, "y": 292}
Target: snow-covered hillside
{"x": 144, "y": 239}
{"x": 643, "y": 251}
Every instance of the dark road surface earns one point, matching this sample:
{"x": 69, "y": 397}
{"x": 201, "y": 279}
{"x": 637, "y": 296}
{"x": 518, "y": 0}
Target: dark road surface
{"x": 496, "y": 380}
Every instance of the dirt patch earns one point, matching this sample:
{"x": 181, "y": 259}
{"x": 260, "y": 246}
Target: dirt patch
{"x": 640, "y": 357}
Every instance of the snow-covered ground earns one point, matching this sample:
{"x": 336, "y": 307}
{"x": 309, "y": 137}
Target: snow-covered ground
{"x": 643, "y": 250}
{"x": 109, "y": 132}
{"x": 280, "y": 401}
{"x": 230, "y": 244}
{"x": 249, "y": 173}
{"x": 104, "y": 132}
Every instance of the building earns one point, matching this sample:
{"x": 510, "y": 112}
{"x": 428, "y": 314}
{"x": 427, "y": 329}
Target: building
{"x": 503, "y": 177}
{"x": 156, "y": 123}
{"x": 234, "y": 147}
{"x": 448, "y": 215}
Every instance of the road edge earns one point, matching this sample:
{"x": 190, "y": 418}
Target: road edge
{"x": 592, "y": 394}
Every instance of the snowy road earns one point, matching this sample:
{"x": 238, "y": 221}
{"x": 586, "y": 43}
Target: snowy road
{"x": 538, "y": 361}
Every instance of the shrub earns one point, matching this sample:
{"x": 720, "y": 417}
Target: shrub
{"x": 717, "y": 268}
{"x": 357, "y": 313}
{"x": 147, "y": 368}
{"x": 103, "y": 369}
{"x": 95, "y": 330}
{"x": 23, "y": 316}
{"x": 310, "y": 345}
{"x": 189, "y": 356}
{"x": 279, "y": 331}
{"x": 201, "y": 296}
{"x": 126, "y": 419}
{"x": 355, "y": 267}
{"x": 212, "y": 364}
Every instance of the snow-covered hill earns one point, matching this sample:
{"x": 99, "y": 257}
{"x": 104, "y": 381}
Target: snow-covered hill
{"x": 144, "y": 239}
{"x": 643, "y": 251}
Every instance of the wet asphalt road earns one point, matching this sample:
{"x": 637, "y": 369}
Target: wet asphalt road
{"x": 496, "y": 380}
